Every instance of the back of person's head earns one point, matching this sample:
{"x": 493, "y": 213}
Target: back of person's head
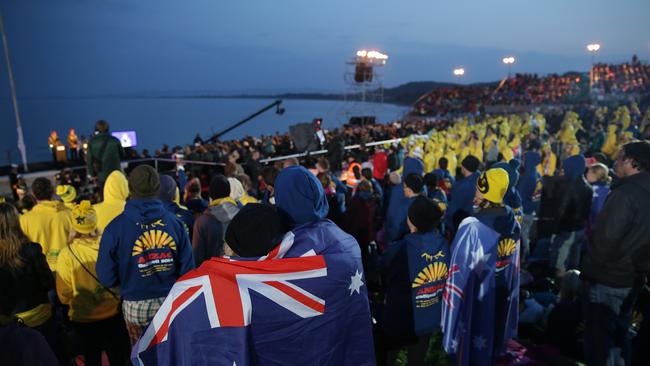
{"x": 356, "y": 171}
{"x": 42, "y": 189}
{"x": 84, "y": 218}
{"x": 219, "y": 187}
{"x": 310, "y": 163}
{"x": 144, "y": 182}
{"x": 27, "y": 203}
{"x": 323, "y": 164}
{"x": 367, "y": 173}
{"x": 600, "y": 173}
{"x": 11, "y": 236}
{"x": 102, "y": 126}
{"x": 245, "y": 181}
{"x": 324, "y": 180}
{"x": 414, "y": 182}
{"x": 430, "y": 180}
{"x": 470, "y": 163}
{"x": 167, "y": 190}
{"x": 255, "y": 230}
{"x": 270, "y": 174}
{"x": 570, "y": 285}
{"x": 424, "y": 214}
{"x": 639, "y": 153}
{"x": 194, "y": 186}
{"x": 300, "y": 195}
{"x": 443, "y": 163}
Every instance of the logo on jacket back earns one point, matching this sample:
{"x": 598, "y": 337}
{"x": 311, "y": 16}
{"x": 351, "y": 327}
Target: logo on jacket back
{"x": 505, "y": 250}
{"x": 429, "y": 284}
{"x": 155, "y": 250}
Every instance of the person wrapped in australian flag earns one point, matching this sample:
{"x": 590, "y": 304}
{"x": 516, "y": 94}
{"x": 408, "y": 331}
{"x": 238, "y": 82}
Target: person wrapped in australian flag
{"x": 480, "y": 310}
{"x": 302, "y": 301}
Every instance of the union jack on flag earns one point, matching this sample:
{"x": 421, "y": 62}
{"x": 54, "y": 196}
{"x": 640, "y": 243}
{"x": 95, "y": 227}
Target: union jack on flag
{"x": 269, "y": 310}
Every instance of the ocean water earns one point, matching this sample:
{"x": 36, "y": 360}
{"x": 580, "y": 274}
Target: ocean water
{"x": 172, "y": 121}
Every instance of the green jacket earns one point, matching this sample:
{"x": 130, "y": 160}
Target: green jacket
{"x": 109, "y": 160}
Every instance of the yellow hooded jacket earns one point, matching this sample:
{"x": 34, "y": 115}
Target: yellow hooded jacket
{"x": 48, "y": 224}
{"x": 116, "y": 190}
{"x": 88, "y": 300}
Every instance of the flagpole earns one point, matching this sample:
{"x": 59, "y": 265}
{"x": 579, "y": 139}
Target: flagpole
{"x": 12, "y": 84}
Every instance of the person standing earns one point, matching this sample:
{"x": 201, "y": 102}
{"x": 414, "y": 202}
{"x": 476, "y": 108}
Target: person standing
{"x": 144, "y": 250}
{"x": 462, "y": 193}
{"x": 73, "y": 145}
{"x": 616, "y": 265}
{"x": 93, "y": 308}
{"x": 571, "y": 214}
{"x": 105, "y": 153}
{"x": 24, "y": 260}
{"x": 116, "y": 191}
{"x": 480, "y": 310}
{"x": 210, "y": 228}
{"x": 415, "y": 269}
{"x": 47, "y": 223}
{"x": 167, "y": 194}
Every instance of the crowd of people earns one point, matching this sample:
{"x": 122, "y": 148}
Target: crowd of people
{"x": 533, "y": 90}
{"x": 622, "y": 79}
{"x": 480, "y": 240}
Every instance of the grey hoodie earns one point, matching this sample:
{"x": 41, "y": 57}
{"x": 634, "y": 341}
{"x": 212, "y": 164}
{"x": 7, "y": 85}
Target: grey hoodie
{"x": 210, "y": 230}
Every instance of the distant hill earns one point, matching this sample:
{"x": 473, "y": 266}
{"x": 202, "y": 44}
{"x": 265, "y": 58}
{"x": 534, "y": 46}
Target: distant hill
{"x": 405, "y": 94}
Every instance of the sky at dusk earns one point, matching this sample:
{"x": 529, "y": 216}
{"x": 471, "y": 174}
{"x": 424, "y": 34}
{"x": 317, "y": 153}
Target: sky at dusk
{"x": 90, "y": 47}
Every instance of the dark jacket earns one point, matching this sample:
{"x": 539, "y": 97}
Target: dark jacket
{"x": 530, "y": 183}
{"x": 108, "y": 159}
{"x": 574, "y": 204}
{"x": 34, "y": 278}
{"x": 144, "y": 250}
{"x": 360, "y": 219}
{"x": 574, "y": 196}
{"x": 461, "y": 201}
{"x": 398, "y": 318}
{"x": 185, "y": 216}
{"x": 620, "y": 251}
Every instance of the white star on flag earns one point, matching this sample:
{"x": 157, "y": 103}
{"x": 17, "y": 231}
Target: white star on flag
{"x": 479, "y": 342}
{"x": 454, "y": 345}
{"x": 355, "y": 283}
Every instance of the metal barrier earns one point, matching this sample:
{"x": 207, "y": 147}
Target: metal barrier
{"x": 319, "y": 152}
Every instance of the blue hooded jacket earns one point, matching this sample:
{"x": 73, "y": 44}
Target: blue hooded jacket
{"x": 185, "y": 216}
{"x": 530, "y": 183}
{"x": 413, "y": 307}
{"x": 413, "y": 166}
{"x": 461, "y": 199}
{"x": 144, "y": 250}
{"x": 300, "y": 195}
{"x": 398, "y": 204}
{"x": 574, "y": 166}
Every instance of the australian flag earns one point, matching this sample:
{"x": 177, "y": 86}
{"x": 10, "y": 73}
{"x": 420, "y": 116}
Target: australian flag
{"x": 480, "y": 302}
{"x": 303, "y": 303}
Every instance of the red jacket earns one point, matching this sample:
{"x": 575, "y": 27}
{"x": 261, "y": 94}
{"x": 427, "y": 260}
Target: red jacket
{"x": 379, "y": 165}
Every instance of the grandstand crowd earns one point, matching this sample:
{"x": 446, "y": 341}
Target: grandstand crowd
{"x": 482, "y": 239}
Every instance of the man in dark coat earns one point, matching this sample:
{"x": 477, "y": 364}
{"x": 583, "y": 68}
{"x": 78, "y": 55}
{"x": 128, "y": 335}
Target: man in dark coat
{"x": 617, "y": 263}
{"x": 104, "y": 153}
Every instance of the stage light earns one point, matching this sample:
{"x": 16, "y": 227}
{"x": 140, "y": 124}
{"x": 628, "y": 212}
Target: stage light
{"x": 459, "y": 72}
{"x": 509, "y": 60}
{"x": 593, "y": 47}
